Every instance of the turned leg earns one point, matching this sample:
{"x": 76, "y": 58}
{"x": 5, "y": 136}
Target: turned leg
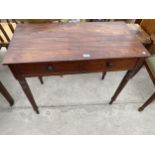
{"x": 151, "y": 99}
{"x": 121, "y": 86}
{"x": 103, "y": 75}
{"x": 6, "y": 94}
{"x": 41, "y": 79}
{"x": 28, "y": 93}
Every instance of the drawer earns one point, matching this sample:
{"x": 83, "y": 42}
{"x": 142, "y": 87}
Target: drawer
{"x": 71, "y": 67}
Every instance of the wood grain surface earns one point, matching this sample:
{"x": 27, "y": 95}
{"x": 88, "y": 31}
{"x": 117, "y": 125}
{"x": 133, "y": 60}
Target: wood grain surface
{"x": 55, "y": 42}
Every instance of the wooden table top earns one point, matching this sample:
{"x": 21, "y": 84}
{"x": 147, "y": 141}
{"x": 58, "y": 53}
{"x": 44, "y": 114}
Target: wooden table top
{"x": 52, "y": 42}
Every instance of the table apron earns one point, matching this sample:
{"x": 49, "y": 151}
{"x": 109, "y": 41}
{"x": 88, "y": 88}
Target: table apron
{"x": 72, "y": 67}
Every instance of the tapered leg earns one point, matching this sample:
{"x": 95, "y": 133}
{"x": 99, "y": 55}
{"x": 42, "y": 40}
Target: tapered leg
{"x": 103, "y": 75}
{"x": 121, "y": 86}
{"x": 127, "y": 77}
{"x": 41, "y": 79}
{"x": 6, "y": 94}
{"x": 149, "y": 101}
{"x": 28, "y": 93}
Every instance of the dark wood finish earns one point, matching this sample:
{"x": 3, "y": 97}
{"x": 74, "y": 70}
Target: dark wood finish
{"x": 59, "y": 68}
{"x": 5, "y": 33}
{"x": 57, "y": 49}
{"x": 126, "y": 78}
{"x": 138, "y": 21}
{"x": 142, "y": 36}
{"x": 54, "y": 42}
{"x": 14, "y": 20}
{"x": 103, "y": 75}
{"x": 121, "y": 86}
{"x": 6, "y": 94}
{"x": 149, "y": 101}
{"x": 28, "y": 93}
{"x": 41, "y": 79}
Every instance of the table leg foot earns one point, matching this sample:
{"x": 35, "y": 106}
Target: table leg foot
{"x": 140, "y": 109}
{"x": 37, "y": 111}
{"x": 121, "y": 86}
{"x": 149, "y": 101}
{"x": 103, "y": 75}
{"x": 111, "y": 101}
{"x": 11, "y": 103}
{"x": 41, "y": 79}
{"x": 28, "y": 93}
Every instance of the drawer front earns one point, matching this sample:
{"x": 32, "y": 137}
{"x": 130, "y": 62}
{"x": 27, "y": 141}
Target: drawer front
{"x": 75, "y": 67}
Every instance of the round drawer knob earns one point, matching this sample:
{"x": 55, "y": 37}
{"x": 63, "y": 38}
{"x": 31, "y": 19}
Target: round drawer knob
{"x": 49, "y": 68}
{"x": 109, "y": 64}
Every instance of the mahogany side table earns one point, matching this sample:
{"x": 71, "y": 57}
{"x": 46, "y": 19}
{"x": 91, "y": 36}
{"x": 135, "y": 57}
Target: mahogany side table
{"x": 67, "y": 48}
